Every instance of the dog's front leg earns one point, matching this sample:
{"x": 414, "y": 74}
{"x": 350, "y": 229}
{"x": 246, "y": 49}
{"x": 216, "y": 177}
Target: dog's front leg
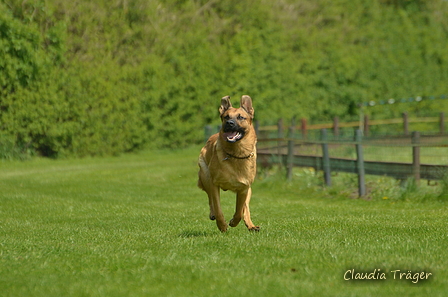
{"x": 215, "y": 208}
{"x": 246, "y": 212}
{"x": 241, "y": 198}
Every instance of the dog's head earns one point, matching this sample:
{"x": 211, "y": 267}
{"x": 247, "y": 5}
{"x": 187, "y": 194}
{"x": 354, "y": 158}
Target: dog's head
{"x": 236, "y": 122}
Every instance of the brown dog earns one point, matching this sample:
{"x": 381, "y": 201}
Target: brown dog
{"x": 228, "y": 162}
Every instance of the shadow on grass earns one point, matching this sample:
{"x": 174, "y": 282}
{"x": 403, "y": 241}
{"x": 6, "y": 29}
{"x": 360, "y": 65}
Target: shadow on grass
{"x": 192, "y": 233}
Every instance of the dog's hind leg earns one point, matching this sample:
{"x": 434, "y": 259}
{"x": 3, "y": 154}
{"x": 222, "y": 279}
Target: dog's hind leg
{"x": 246, "y": 213}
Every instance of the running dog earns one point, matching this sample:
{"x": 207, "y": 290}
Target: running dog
{"x": 228, "y": 162}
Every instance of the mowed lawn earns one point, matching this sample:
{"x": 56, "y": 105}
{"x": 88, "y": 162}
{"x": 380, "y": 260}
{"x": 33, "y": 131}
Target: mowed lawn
{"x": 137, "y": 225}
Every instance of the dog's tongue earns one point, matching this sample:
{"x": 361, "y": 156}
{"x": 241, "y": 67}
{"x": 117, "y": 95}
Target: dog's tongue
{"x": 232, "y": 136}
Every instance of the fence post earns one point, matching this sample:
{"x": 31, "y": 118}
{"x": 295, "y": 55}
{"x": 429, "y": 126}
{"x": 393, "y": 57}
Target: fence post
{"x": 366, "y": 125}
{"x": 257, "y": 128}
{"x": 336, "y": 127}
{"x": 442, "y": 123}
{"x": 293, "y": 127}
{"x": 405, "y": 123}
{"x": 303, "y": 128}
{"x": 325, "y": 157}
{"x": 279, "y": 142}
{"x": 290, "y": 159}
{"x": 416, "y": 156}
{"x": 360, "y": 163}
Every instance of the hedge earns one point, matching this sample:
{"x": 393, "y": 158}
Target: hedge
{"x": 93, "y": 77}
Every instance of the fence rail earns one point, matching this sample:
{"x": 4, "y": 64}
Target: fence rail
{"x": 364, "y": 124}
{"x": 287, "y": 152}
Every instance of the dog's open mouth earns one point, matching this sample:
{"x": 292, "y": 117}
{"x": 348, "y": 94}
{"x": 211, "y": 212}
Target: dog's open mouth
{"x": 233, "y": 136}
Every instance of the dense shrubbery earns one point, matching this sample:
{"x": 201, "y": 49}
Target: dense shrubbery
{"x": 95, "y": 77}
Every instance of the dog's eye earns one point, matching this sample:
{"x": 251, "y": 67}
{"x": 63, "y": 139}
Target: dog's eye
{"x": 227, "y": 118}
{"x": 240, "y": 117}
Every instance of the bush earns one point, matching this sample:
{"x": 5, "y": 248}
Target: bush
{"x": 83, "y": 78}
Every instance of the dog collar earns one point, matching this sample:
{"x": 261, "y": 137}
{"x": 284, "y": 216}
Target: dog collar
{"x": 240, "y": 158}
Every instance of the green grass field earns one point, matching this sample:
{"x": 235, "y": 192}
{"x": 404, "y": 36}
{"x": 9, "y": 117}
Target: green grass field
{"x": 137, "y": 225}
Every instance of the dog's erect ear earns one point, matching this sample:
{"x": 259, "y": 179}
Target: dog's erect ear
{"x": 246, "y": 104}
{"x": 225, "y": 105}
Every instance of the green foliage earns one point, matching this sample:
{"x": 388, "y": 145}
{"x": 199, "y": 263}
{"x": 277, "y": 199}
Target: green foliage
{"x": 19, "y": 48}
{"x": 10, "y": 151}
{"x": 94, "y": 77}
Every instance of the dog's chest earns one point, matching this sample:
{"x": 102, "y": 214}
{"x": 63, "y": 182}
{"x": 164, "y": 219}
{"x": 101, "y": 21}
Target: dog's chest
{"x": 234, "y": 174}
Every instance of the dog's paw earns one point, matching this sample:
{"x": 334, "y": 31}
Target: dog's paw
{"x": 234, "y": 223}
{"x": 223, "y": 228}
{"x": 254, "y": 229}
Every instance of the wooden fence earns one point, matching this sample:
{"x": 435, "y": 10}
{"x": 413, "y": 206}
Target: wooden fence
{"x": 364, "y": 125}
{"x": 286, "y": 151}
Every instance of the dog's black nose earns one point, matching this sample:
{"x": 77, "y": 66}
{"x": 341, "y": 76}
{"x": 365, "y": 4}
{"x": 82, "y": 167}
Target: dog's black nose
{"x": 230, "y": 124}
